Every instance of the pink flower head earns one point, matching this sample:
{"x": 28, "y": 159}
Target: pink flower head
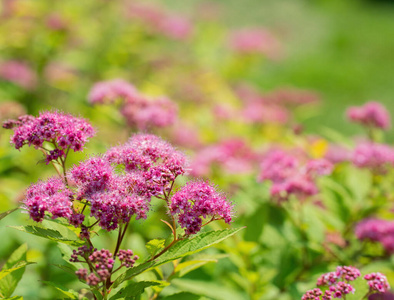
{"x": 199, "y": 199}
{"x": 277, "y": 165}
{"x": 371, "y": 229}
{"x": 341, "y": 289}
{"x": 312, "y": 295}
{"x": 319, "y": 167}
{"x": 327, "y": 279}
{"x": 290, "y": 97}
{"x": 371, "y": 114}
{"x": 377, "y": 157}
{"x": 19, "y": 73}
{"x": 50, "y": 196}
{"x": 111, "y": 90}
{"x": 144, "y": 113}
{"x": 252, "y": 41}
{"x": 337, "y": 154}
{"x": 63, "y": 130}
{"x": 175, "y": 27}
{"x": 233, "y": 155}
{"x": 156, "y": 160}
{"x": 348, "y": 273}
{"x": 377, "y": 282}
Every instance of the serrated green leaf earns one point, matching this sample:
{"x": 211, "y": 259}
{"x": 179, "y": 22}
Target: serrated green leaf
{"x": 130, "y": 273}
{"x": 154, "y": 246}
{"x": 71, "y": 294}
{"x": 8, "y": 212}
{"x": 13, "y": 270}
{"x": 135, "y": 289}
{"x": 195, "y": 244}
{"x": 49, "y": 234}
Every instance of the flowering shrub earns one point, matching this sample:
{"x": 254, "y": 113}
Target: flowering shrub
{"x": 108, "y": 190}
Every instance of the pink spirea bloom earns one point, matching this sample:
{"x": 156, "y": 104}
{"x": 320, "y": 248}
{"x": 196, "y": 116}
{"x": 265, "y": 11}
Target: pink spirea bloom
{"x": 340, "y": 289}
{"x": 290, "y": 97}
{"x": 197, "y": 200}
{"x": 371, "y": 114}
{"x": 233, "y": 155}
{"x": 50, "y": 196}
{"x": 342, "y": 273}
{"x": 19, "y": 73}
{"x": 338, "y": 154}
{"x": 114, "y": 198}
{"x": 157, "y": 161}
{"x": 265, "y": 113}
{"x": 289, "y": 176}
{"x": 160, "y": 21}
{"x": 145, "y": 113}
{"x": 67, "y": 131}
{"x": 111, "y": 90}
{"x": 377, "y": 157}
{"x": 377, "y": 230}
{"x": 255, "y": 40}
{"x": 377, "y": 282}
{"x": 312, "y": 294}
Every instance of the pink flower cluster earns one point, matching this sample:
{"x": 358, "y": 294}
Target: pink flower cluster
{"x": 377, "y": 230}
{"x": 102, "y": 263}
{"x": 63, "y": 131}
{"x": 346, "y": 273}
{"x": 255, "y": 41}
{"x": 159, "y": 21}
{"x": 377, "y": 157}
{"x": 371, "y": 114}
{"x": 154, "y": 159}
{"x": 234, "y": 156}
{"x": 289, "y": 176}
{"x": 50, "y": 196}
{"x": 338, "y": 283}
{"x": 139, "y": 110}
{"x": 197, "y": 200}
{"x": 377, "y": 282}
{"x": 18, "y": 73}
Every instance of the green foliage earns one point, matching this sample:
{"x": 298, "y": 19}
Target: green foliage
{"x": 134, "y": 289}
{"x": 12, "y": 271}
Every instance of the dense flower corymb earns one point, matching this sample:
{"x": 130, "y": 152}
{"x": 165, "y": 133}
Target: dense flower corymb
{"x": 371, "y": 114}
{"x": 48, "y": 196}
{"x": 64, "y": 131}
{"x": 197, "y": 200}
{"x": 377, "y": 282}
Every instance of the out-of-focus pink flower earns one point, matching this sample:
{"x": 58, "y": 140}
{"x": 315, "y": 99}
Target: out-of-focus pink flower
{"x": 224, "y": 112}
{"x": 337, "y": 154}
{"x": 289, "y": 176}
{"x": 145, "y": 113}
{"x": 258, "y": 112}
{"x": 19, "y": 73}
{"x": 372, "y": 114}
{"x": 56, "y": 22}
{"x": 255, "y": 40}
{"x": 377, "y": 230}
{"x": 234, "y": 156}
{"x": 111, "y": 90}
{"x": 185, "y": 136}
{"x": 161, "y": 21}
{"x": 374, "y": 156}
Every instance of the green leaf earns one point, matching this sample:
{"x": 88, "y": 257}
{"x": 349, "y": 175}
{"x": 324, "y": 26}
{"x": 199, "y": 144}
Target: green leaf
{"x": 183, "y": 296}
{"x": 15, "y": 298}
{"x": 49, "y": 234}
{"x": 183, "y": 268}
{"x": 130, "y": 273}
{"x": 154, "y": 246}
{"x": 65, "y": 268}
{"x": 209, "y": 289}
{"x": 8, "y": 212}
{"x": 135, "y": 289}
{"x": 71, "y": 294}
{"x": 13, "y": 270}
{"x": 195, "y": 244}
